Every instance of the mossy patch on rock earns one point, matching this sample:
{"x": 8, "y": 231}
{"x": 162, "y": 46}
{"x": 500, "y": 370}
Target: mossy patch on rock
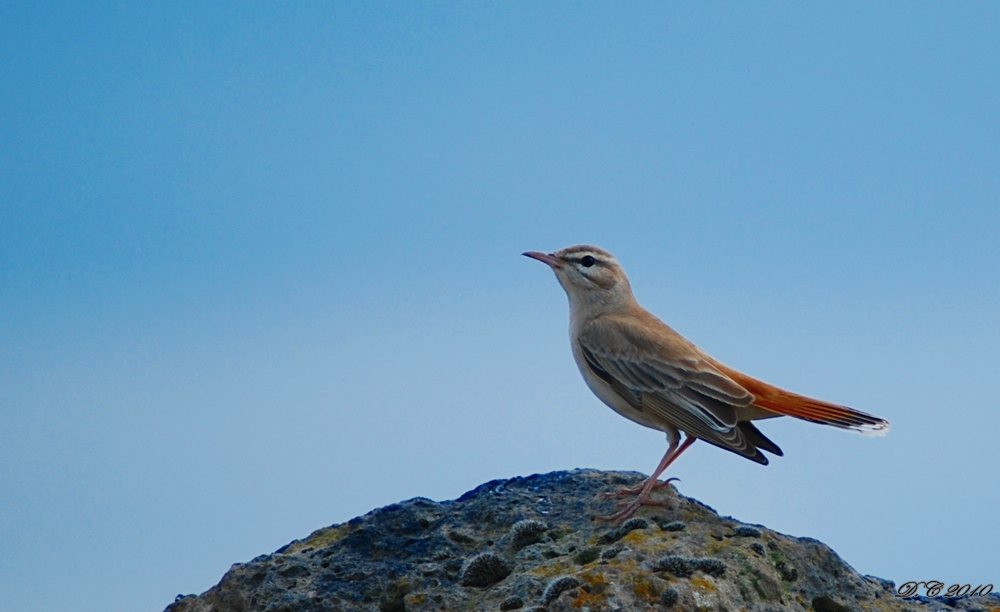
{"x": 557, "y": 586}
{"x": 526, "y": 533}
{"x": 485, "y": 569}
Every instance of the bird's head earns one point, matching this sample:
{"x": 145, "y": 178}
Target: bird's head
{"x": 590, "y": 275}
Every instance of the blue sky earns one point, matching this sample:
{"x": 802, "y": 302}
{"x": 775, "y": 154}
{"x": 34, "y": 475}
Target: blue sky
{"x": 260, "y": 267}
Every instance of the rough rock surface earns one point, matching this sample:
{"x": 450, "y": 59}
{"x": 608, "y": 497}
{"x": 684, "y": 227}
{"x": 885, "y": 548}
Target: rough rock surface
{"x": 534, "y": 544}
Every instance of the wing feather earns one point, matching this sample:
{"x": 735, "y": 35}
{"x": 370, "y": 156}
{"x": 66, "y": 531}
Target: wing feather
{"x": 689, "y": 394}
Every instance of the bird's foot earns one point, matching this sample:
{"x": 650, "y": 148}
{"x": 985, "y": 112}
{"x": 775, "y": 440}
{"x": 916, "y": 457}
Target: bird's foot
{"x": 659, "y": 484}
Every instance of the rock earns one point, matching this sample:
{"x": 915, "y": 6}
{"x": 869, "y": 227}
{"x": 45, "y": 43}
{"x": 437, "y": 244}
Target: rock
{"x": 534, "y": 544}
{"x": 826, "y": 604}
{"x": 585, "y": 556}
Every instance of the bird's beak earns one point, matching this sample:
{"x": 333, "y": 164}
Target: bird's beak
{"x": 545, "y": 259}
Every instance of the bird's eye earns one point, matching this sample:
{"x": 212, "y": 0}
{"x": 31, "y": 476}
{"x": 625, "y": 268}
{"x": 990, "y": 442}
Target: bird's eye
{"x": 586, "y": 261}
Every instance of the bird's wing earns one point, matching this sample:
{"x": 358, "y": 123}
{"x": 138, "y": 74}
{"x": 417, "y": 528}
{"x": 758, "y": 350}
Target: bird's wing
{"x": 678, "y": 386}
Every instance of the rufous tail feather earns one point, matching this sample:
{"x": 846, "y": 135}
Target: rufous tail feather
{"x": 808, "y": 408}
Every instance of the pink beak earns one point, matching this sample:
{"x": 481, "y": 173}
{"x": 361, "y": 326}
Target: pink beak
{"x": 545, "y": 259}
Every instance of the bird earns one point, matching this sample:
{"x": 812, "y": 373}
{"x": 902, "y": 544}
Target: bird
{"x": 652, "y": 375}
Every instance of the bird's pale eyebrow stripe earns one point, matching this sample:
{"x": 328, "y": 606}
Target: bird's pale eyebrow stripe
{"x": 581, "y": 251}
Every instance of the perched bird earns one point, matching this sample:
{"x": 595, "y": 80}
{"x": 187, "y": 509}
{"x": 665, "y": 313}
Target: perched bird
{"x": 650, "y": 374}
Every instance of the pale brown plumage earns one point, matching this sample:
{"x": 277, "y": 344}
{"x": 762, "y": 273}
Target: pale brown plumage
{"x": 649, "y": 373}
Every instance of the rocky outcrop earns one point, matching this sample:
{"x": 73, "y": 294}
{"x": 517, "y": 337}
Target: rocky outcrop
{"x": 534, "y": 544}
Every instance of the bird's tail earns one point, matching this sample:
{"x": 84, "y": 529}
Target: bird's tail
{"x": 808, "y": 408}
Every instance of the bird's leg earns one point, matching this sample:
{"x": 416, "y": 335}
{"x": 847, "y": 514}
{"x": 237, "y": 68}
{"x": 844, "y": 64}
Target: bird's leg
{"x": 667, "y": 458}
{"x": 673, "y": 452}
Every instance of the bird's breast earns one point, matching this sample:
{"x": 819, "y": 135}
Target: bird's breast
{"x": 611, "y": 397}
